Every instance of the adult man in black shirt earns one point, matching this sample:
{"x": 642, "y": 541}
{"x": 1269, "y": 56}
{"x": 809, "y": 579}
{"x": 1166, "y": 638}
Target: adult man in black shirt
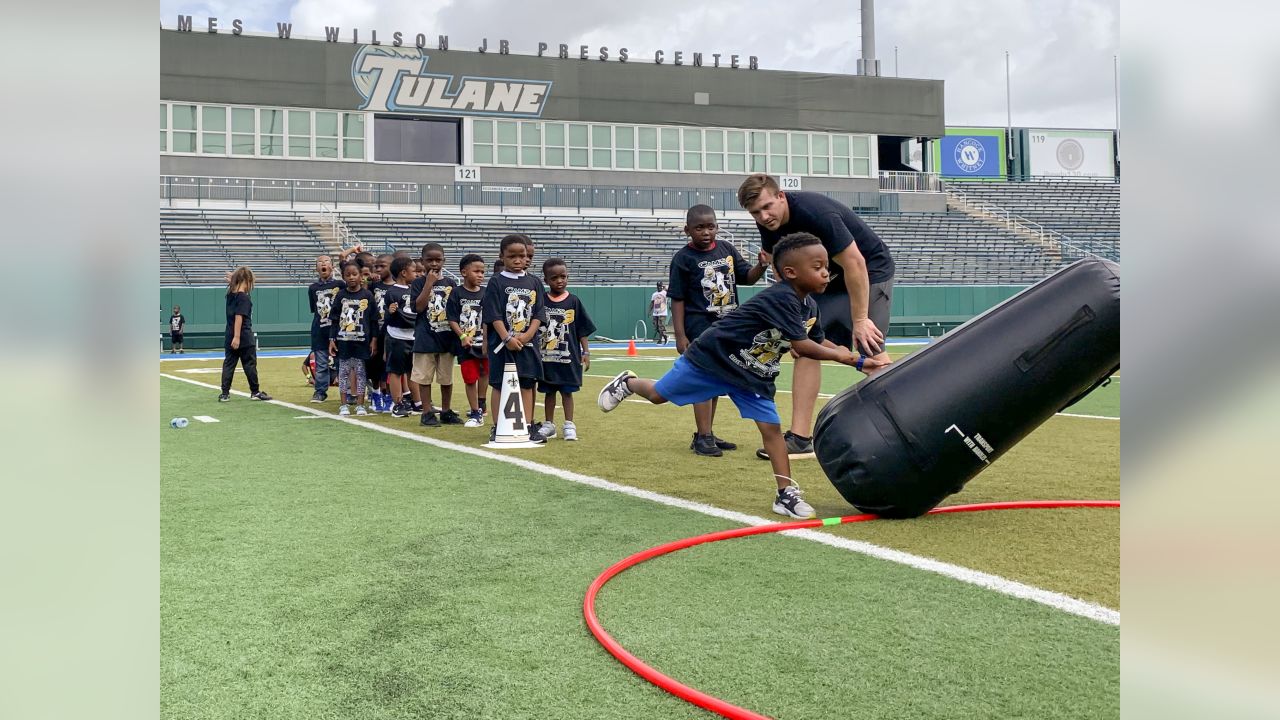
{"x": 854, "y": 311}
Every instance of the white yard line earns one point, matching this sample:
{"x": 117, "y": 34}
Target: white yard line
{"x": 1012, "y": 588}
{"x": 205, "y": 418}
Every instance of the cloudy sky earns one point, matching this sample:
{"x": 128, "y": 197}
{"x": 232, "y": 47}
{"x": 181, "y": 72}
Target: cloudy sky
{"x": 1060, "y": 50}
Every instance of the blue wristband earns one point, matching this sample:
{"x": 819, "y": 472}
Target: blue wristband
{"x": 858, "y": 365}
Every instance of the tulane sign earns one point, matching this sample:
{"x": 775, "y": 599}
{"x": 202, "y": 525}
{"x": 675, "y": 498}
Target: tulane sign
{"x": 395, "y": 79}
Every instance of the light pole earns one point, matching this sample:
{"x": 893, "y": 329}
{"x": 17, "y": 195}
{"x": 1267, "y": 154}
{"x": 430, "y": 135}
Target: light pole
{"x": 1008, "y": 106}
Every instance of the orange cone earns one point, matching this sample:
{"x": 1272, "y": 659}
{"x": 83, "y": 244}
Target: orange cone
{"x": 631, "y": 348}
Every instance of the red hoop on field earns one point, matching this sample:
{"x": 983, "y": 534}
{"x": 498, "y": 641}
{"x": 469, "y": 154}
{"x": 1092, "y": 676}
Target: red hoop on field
{"x": 715, "y": 704}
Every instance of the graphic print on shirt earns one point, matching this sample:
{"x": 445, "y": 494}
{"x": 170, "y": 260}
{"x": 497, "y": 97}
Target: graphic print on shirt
{"x": 436, "y": 308}
{"x": 324, "y": 305}
{"x": 175, "y": 323}
{"x": 520, "y": 302}
{"x": 380, "y": 301}
{"x": 469, "y": 321}
{"x": 351, "y": 319}
{"x": 767, "y": 349}
{"x": 717, "y": 285}
{"x": 557, "y": 335}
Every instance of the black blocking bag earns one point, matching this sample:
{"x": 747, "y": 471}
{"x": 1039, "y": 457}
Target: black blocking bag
{"x": 899, "y": 443}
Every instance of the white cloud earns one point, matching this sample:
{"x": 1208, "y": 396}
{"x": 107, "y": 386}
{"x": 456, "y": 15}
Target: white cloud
{"x": 1061, "y": 51}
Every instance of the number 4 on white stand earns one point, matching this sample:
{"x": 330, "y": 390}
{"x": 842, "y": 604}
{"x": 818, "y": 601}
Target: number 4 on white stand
{"x": 513, "y": 429}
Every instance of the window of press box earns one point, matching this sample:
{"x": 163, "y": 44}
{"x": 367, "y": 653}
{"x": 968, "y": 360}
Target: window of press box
{"x": 416, "y": 140}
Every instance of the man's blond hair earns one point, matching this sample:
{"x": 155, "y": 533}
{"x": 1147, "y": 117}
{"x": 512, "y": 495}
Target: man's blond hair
{"x": 753, "y": 186}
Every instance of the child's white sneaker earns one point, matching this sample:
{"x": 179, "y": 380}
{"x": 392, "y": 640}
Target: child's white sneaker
{"x": 360, "y": 410}
{"x": 475, "y": 419}
{"x": 570, "y": 430}
{"x": 344, "y": 410}
{"x": 548, "y": 429}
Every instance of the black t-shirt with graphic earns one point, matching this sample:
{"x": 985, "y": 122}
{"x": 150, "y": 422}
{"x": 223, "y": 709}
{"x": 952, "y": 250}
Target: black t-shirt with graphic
{"x": 320, "y": 299}
{"x": 745, "y": 346}
{"x": 516, "y": 302}
{"x": 837, "y": 227}
{"x": 239, "y": 304}
{"x": 567, "y": 323}
{"x": 464, "y": 309}
{"x": 176, "y": 323}
{"x": 431, "y": 333}
{"x": 404, "y": 317}
{"x": 707, "y": 281}
{"x": 380, "y": 291}
{"x": 354, "y": 323}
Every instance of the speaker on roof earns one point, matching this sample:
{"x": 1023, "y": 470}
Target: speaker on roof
{"x": 899, "y": 443}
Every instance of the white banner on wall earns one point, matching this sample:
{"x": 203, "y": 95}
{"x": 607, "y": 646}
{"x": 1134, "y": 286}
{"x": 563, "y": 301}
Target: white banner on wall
{"x": 1080, "y": 153}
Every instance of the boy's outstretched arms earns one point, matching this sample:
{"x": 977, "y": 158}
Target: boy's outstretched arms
{"x": 828, "y": 350}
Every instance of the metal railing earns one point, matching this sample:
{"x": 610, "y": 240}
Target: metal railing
{"x": 336, "y": 193}
{"x": 911, "y": 182}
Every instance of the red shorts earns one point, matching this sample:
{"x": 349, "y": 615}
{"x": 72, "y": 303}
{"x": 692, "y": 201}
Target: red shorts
{"x": 473, "y": 369}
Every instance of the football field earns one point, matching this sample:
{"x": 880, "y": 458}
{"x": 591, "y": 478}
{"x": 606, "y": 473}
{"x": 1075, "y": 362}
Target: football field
{"x": 324, "y": 568}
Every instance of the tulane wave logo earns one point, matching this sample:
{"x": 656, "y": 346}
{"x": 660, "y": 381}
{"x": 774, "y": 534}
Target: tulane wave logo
{"x": 970, "y": 155}
{"x": 395, "y": 79}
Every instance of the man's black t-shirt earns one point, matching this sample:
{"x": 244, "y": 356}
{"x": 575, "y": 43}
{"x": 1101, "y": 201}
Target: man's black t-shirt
{"x": 431, "y": 333}
{"x": 176, "y": 322}
{"x": 745, "y": 346}
{"x": 837, "y": 227}
{"x": 707, "y": 281}
{"x": 239, "y": 304}
{"x": 567, "y": 323}
{"x": 354, "y": 323}
{"x": 320, "y": 298}
{"x": 464, "y": 309}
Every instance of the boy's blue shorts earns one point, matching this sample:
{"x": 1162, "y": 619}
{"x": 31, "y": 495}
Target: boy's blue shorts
{"x": 686, "y": 384}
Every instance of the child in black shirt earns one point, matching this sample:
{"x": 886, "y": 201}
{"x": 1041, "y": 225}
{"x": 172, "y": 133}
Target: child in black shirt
{"x": 377, "y": 365}
{"x": 433, "y": 341}
{"x": 351, "y": 337}
{"x": 464, "y": 315}
{"x": 565, "y": 352}
{"x": 239, "y": 343}
{"x": 320, "y": 298}
{"x": 739, "y": 357}
{"x": 400, "y": 321}
{"x": 512, "y": 313}
{"x": 704, "y": 280}
{"x": 176, "y": 323}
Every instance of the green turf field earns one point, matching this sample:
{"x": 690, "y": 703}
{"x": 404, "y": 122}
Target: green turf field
{"x": 315, "y": 568}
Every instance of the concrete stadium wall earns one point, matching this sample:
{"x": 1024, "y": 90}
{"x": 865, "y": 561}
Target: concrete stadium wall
{"x": 282, "y": 318}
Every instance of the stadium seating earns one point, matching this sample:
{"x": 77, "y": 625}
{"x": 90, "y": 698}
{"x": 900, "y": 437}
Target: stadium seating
{"x": 198, "y": 246}
{"x": 1086, "y": 211}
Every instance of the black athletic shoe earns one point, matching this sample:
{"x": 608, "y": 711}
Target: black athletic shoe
{"x": 399, "y": 410}
{"x": 724, "y": 444}
{"x": 797, "y": 447}
{"x": 224, "y": 397}
{"x": 429, "y": 419}
{"x": 493, "y": 433}
{"x": 536, "y": 436}
{"x": 449, "y": 417}
{"x": 705, "y": 445}
{"x": 260, "y": 396}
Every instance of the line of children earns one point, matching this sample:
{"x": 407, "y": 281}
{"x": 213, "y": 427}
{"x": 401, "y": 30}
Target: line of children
{"x": 739, "y": 356}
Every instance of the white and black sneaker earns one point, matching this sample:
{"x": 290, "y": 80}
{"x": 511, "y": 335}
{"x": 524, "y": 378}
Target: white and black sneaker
{"x": 536, "y": 436}
{"x": 548, "y": 429}
{"x": 615, "y": 391}
{"x": 789, "y": 503}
